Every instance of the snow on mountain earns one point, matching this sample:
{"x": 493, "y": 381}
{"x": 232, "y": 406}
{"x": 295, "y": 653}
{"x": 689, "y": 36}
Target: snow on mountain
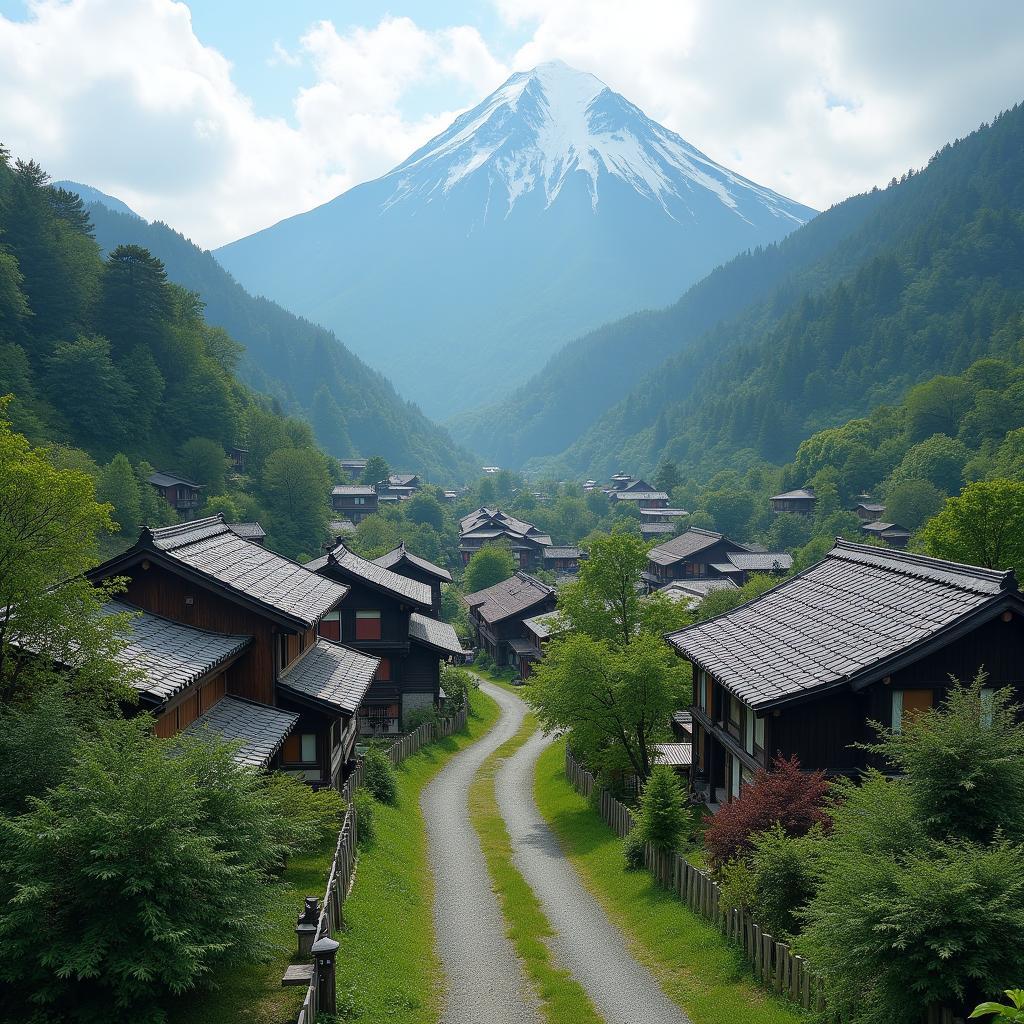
{"x": 551, "y": 207}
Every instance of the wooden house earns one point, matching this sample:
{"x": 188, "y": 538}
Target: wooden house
{"x": 354, "y": 501}
{"x": 894, "y": 535}
{"x": 563, "y": 559}
{"x": 181, "y": 494}
{"x": 869, "y": 511}
{"x": 497, "y": 615}
{"x": 865, "y": 635}
{"x": 640, "y": 494}
{"x": 353, "y": 467}
{"x": 800, "y": 502}
{"x": 405, "y": 563}
{"x": 739, "y": 566}
{"x": 656, "y": 531}
{"x": 662, "y": 515}
{"x": 204, "y": 576}
{"x": 239, "y": 458}
{"x": 690, "y": 593}
{"x": 529, "y": 649}
{"x": 389, "y": 616}
{"x": 690, "y": 556}
{"x": 485, "y": 526}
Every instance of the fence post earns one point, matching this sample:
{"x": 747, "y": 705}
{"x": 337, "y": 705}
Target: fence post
{"x": 305, "y": 926}
{"x": 325, "y": 953}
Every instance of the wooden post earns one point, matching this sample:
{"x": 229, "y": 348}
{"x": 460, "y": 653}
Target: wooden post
{"x": 325, "y": 952}
{"x": 305, "y": 926}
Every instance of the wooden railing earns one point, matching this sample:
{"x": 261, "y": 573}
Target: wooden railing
{"x": 339, "y": 882}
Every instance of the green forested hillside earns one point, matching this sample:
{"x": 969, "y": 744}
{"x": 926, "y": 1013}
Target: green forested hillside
{"x": 354, "y": 410}
{"x": 115, "y": 367}
{"x": 930, "y": 281}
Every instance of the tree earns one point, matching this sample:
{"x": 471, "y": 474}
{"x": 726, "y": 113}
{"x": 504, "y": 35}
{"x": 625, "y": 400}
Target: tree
{"x": 376, "y": 471}
{"x": 718, "y": 602}
{"x": 938, "y": 459}
{"x": 155, "y": 868}
{"x": 784, "y": 796}
{"x": 730, "y": 508}
{"x": 668, "y": 477}
{"x": 912, "y": 502}
{"x": 424, "y": 507}
{"x": 136, "y": 301}
{"x": 984, "y": 525}
{"x": 663, "y": 819}
{"x": 204, "y": 461}
{"x": 937, "y": 406}
{"x": 119, "y": 487}
{"x": 296, "y": 485}
{"x": 1012, "y": 1011}
{"x": 613, "y": 701}
{"x": 153, "y": 510}
{"x": 489, "y": 565}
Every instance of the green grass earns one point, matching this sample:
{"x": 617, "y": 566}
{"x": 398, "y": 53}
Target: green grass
{"x": 490, "y": 676}
{"x": 697, "y": 967}
{"x": 388, "y": 969}
{"x": 563, "y": 999}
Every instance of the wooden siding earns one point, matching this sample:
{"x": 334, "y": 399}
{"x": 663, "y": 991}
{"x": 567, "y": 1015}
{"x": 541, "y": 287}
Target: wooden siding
{"x": 186, "y": 707}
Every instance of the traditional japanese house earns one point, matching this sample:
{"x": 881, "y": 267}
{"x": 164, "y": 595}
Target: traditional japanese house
{"x": 497, "y": 614}
{"x": 689, "y": 556}
{"x": 865, "y": 635}
{"x": 388, "y": 615}
{"x": 249, "y": 531}
{"x": 405, "y": 563}
{"x": 354, "y": 501}
{"x": 678, "y": 757}
{"x": 869, "y": 511}
{"x": 353, "y": 467}
{"x": 662, "y": 515}
{"x": 181, "y": 494}
{"x": 651, "y": 531}
{"x": 530, "y": 648}
{"x": 893, "y": 534}
{"x": 801, "y": 502}
{"x": 204, "y": 576}
{"x": 563, "y": 559}
{"x": 739, "y": 566}
{"x": 641, "y": 495}
{"x": 690, "y": 593}
{"x": 485, "y": 526}
{"x": 239, "y": 458}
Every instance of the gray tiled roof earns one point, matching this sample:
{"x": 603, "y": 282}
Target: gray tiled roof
{"x": 686, "y": 544}
{"x": 640, "y": 495}
{"x": 331, "y": 674}
{"x": 433, "y": 633}
{"x": 676, "y": 754}
{"x": 837, "y": 622}
{"x": 260, "y": 728}
{"x": 209, "y": 547}
{"x": 695, "y": 590}
{"x": 521, "y": 645}
{"x": 248, "y": 531}
{"x": 544, "y": 625}
{"x": 656, "y": 529}
{"x": 510, "y": 597}
{"x": 353, "y": 490}
{"x": 760, "y": 561}
{"x": 562, "y": 551}
{"x": 801, "y": 492}
{"x": 161, "y": 479}
{"x": 376, "y": 575}
{"x": 672, "y": 513}
{"x": 884, "y": 528}
{"x": 494, "y": 519}
{"x": 397, "y": 555}
{"x": 170, "y": 655}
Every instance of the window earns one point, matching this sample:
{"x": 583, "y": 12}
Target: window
{"x": 308, "y": 747}
{"x": 367, "y": 625}
{"x": 330, "y": 626}
{"x": 358, "y": 501}
{"x": 906, "y": 704}
{"x": 383, "y": 669}
{"x": 299, "y": 749}
{"x": 748, "y": 731}
{"x": 758, "y": 733}
{"x": 701, "y": 693}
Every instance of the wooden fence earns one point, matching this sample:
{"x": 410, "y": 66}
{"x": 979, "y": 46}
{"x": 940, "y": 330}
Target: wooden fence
{"x": 339, "y": 881}
{"x": 774, "y": 964}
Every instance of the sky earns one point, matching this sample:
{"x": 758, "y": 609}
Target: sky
{"x": 221, "y": 117}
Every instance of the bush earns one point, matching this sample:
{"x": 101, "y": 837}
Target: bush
{"x": 633, "y": 849}
{"x": 784, "y": 796}
{"x": 663, "y": 819}
{"x": 415, "y": 718}
{"x": 456, "y": 683}
{"x": 783, "y": 868}
{"x": 151, "y": 870}
{"x": 379, "y": 776}
{"x": 738, "y": 884}
{"x": 483, "y": 661}
{"x": 365, "y": 811}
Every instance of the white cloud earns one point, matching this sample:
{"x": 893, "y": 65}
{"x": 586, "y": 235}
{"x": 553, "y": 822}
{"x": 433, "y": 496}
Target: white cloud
{"x": 817, "y": 100}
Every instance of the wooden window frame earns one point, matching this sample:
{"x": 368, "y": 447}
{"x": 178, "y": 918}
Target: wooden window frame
{"x": 369, "y": 617}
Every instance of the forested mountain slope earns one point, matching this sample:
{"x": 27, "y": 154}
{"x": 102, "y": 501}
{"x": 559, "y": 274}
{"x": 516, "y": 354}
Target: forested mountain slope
{"x": 932, "y": 280}
{"x": 353, "y": 409}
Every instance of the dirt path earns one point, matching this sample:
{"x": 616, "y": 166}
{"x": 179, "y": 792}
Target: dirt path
{"x": 586, "y": 943}
{"x": 485, "y": 983}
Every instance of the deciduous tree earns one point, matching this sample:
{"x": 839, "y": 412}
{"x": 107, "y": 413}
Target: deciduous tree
{"x": 984, "y": 525}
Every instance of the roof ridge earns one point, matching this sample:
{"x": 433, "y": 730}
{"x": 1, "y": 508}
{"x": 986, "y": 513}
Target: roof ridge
{"x": 178, "y": 529}
{"x": 1006, "y": 578}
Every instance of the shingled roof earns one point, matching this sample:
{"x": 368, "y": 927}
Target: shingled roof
{"x": 852, "y": 618}
{"x": 208, "y": 550}
{"x": 332, "y": 674}
{"x": 494, "y": 519}
{"x": 162, "y": 479}
{"x": 348, "y": 563}
{"x": 170, "y": 655}
{"x": 401, "y": 554}
{"x": 259, "y": 728}
{"x": 687, "y": 544}
{"x": 439, "y": 635}
{"x": 509, "y": 597}
{"x": 801, "y": 493}
{"x": 756, "y": 561}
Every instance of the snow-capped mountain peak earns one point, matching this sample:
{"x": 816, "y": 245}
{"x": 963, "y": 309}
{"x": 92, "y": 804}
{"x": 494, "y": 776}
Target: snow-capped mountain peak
{"x": 553, "y": 126}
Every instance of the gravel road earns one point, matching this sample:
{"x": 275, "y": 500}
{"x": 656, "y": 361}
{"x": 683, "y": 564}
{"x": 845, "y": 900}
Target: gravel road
{"x": 485, "y": 983}
{"x": 586, "y": 942}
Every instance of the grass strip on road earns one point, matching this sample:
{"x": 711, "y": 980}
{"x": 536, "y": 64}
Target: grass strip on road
{"x": 563, "y": 999}
{"x": 388, "y": 968}
{"x": 699, "y": 969}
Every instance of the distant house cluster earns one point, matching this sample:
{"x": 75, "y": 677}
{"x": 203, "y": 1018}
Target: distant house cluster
{"x": 487, "y": 525}
{"x": 352, "y": 503}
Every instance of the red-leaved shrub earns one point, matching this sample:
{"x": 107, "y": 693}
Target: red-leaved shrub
{"x": 782, "y": 794}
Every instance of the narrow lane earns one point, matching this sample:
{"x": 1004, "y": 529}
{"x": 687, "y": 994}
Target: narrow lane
{"x": 586, "y": 942}
{"x": 485, "y": 982}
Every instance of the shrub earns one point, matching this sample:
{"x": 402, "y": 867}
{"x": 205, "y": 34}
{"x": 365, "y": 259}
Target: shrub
{"x": 379, "y": 776}
{"x": 415, "y": 718}
{"x": 456, "y": 683}
{"x": 633, "y": 849}
{"x": 483, "y": 661}
{"x": 784, "y": 796}
{"x": 783, "y": 869}
{"x": 150, "y": 869}
{"x": 663, "y": 819}
{"x": 365, "y": 811}
{"x": 738, "y": 884}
